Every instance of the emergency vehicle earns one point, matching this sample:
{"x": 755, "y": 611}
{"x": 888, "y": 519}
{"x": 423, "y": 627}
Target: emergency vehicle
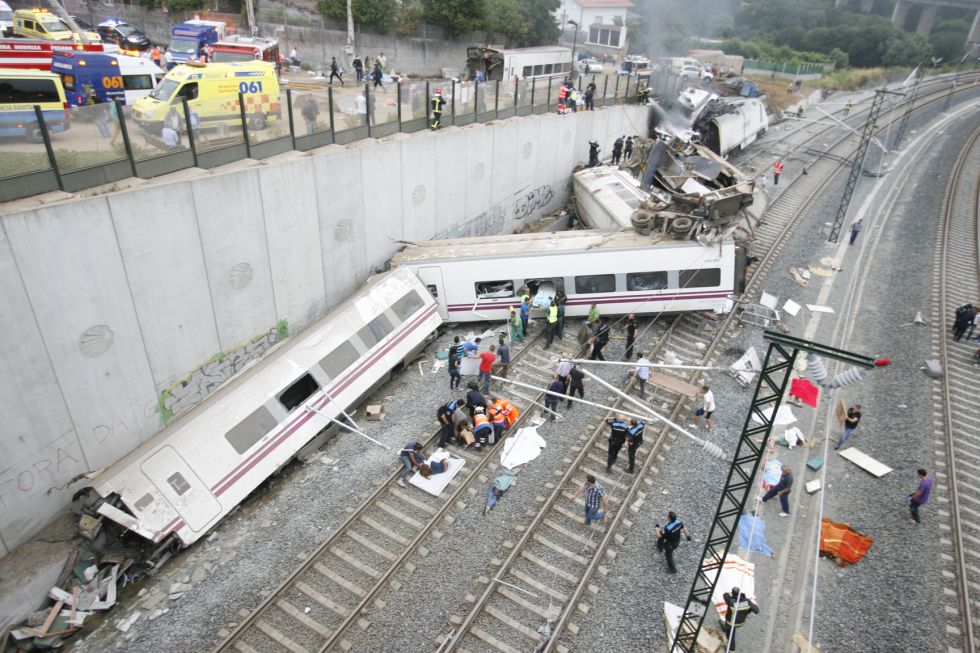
{"x": 212, "y": 93}
{"x": 129, "y": 39}
{"x": 6, "y": 19}
{"x": 20, "y": 92}
{"x": 104, "y": 76}
{"x": 36, "y": 54}
{"x": 42, "y": 24}
{"x": 246, "y": 48}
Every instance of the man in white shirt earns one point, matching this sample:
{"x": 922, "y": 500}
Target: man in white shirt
{"x": 706, "y": 409}
{"x": 170, "y": 137}
{"x": 642, "y": 372}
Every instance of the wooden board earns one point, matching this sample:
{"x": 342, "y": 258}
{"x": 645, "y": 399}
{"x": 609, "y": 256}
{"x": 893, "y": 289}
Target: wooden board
{"x": 841, "y": 411}
{"x": 673, "y": 384}
{"x": 865, "y": 462}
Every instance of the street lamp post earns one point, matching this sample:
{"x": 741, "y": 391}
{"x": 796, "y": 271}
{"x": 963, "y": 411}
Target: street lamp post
{"x": 574, "y": 42}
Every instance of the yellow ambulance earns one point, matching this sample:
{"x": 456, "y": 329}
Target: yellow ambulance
{"x": 212, "y": 93}
{"x": 42, "y": 24}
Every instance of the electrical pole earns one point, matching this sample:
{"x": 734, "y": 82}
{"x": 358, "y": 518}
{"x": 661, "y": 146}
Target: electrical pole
{"x": 857, "y": 162}
{"x": 770, "y": 386}
{"x": 253, "y": 27}
{"x": 349, "y": 49}
{"x": 59, "y": 11}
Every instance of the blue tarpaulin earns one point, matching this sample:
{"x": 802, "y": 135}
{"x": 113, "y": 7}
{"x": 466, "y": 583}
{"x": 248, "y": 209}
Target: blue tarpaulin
{"x": 752, "y": 535}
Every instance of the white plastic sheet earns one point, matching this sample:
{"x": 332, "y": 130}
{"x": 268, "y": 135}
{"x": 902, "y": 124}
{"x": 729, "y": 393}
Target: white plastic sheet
{"x": 436, "y": 483}
{"x": 522, "y": 447}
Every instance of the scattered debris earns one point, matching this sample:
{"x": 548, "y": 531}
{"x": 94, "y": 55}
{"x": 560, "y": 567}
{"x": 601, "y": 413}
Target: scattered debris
{"x": 798, "y": 276}
{"x": 865, "y": 462}
{"x": 918, "y": 320}
{"x": 791, "y": 307}
{"x": 375, "y": 413}
{"x": 813, "y": 486}
{"x": 817, "y": 308}
{"x": 745, "y": 368}
{"x": 821, "y": 272}
{"x": 123, "y": 625}
{"x": 831, "y": 263}
{"x": 933, "y": 369}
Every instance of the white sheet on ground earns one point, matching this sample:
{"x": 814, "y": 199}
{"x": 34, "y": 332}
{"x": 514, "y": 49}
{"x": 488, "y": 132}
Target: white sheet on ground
{"x": 522, "y": 447}
{"x": 784, "y": 416}
{"x": 734, "y": 573}
{"x": 436, "y": 483}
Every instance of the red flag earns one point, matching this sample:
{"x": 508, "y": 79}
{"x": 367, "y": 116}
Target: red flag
{"x": 804, "y": 391}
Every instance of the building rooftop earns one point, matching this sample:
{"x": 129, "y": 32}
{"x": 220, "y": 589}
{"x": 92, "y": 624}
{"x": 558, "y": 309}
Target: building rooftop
{"x": 605, "y": 3}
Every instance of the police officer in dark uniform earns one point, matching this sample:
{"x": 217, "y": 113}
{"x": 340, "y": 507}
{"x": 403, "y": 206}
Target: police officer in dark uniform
{"x": 669, "y": 538}
{"x": 617, "y": 438}
{"x": 445, "y": 415}
{"x": 634, "y": 439}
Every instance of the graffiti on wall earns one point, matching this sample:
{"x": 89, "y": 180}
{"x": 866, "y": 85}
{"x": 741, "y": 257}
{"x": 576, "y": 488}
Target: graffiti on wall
{"x": 193, "y": 388}
{"x": 43, "y": 471}
{"x": 526, "y": 203}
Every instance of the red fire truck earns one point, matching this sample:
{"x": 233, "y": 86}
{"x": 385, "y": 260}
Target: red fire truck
{"x": 35, "y": 54}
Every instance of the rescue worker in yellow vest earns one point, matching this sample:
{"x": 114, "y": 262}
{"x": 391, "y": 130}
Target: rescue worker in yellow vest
{"x": 562, "y": 99}
{"x": 552, "y": 323}
{"x": 739, "y": 607}
{"x": 437, "y": 102}
{"x": 481, "y": 427}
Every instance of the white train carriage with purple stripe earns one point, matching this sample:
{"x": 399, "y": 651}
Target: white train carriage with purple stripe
{"x": 186, "y": 478}
{"x": 478, "y": 279}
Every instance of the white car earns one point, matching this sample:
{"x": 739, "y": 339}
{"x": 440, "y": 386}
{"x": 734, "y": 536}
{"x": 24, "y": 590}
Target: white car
{"x": 590, "y": 66}
{"x": 694, "y": 74}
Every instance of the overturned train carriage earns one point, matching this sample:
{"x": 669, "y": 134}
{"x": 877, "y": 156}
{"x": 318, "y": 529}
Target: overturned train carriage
{"x": 480, "y": 279}
{"x": 185, "y": 479}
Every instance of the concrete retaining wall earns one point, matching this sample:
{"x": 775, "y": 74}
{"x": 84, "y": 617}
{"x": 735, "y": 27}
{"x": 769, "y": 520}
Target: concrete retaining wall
{"x": 125, "y": 310}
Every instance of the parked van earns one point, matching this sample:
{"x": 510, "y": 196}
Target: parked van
{"x": 212, "y": 92}
{"x": 42, "y": 24}
{"x": 20, "y": 92}
{"x": 6, "y": 19}
{"x": 104, "y": 76}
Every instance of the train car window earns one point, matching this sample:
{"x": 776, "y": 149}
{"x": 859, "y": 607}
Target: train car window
{"x": 298, "y": 391}
{"x": 704, "y": 278}
{"x": 407, "y": 306}
{"x": 595, "y": 283}
{"x": 487, "y": 289}
{"x": 144, "y": 502}
{"x": 374, "y": 331}
{"x": 646, "y": 281}
{"x": 433, "y": 290}
{"x": 251, "y": 429}
{"x": 339, "y": 359}
{"x": 178, "y": 483}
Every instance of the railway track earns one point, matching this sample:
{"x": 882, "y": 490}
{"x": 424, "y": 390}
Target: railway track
{"x": 552, "y": 559}
{"x": 956, "y": 415}
{"x": 339, "y": 583}
{"x": 322, "y": 601}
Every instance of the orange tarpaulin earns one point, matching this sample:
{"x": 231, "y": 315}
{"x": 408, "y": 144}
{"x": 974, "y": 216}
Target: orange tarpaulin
{"x": 842, "y": 541}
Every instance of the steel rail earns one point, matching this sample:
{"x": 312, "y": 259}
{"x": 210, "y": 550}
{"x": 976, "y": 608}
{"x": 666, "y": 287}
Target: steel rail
{"x": 949, "y": 217}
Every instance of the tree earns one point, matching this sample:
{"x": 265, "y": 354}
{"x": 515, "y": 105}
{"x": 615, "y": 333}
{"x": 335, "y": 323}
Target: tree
{"x": 379, "y": 15}
{"x": 905, "y": 49}
{"x": 504, "y": 17}
{"x": 839, "y": 57}
{"x": 456, "y": 16}
{"x": 539, "y": 17}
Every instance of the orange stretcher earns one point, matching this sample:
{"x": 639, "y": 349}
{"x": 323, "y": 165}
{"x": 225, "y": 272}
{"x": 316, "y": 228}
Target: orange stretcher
{"x": 843, "y": 542}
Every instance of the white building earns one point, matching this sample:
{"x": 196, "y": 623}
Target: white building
{"x": 602, "y": 21}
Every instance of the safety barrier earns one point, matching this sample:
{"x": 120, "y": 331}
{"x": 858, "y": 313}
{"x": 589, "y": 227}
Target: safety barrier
{"x": 100, "y": 144}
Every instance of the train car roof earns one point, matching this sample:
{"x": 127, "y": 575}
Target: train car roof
{"x": 522, "y": 245}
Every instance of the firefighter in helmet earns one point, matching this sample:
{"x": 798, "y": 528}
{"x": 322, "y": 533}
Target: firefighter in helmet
{"x": 437, "y": 102}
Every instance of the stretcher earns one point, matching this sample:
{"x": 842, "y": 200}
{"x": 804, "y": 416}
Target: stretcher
{"x": 436, "y": 483}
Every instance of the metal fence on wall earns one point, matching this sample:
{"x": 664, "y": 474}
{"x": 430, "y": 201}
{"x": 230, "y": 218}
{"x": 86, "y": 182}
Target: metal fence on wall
{"x": 105, "y": 143}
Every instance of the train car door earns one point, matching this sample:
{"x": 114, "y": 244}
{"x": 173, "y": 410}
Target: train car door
{"x": 432, "y": 278}
{"x": 181, "y": 487}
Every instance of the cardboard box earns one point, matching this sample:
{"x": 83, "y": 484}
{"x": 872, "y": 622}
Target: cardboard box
{"x": 375, "y": 413}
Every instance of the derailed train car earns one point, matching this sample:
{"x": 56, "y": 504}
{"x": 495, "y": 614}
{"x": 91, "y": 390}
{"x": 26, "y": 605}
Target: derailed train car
{"x": 479, "y": 279}
{"x": 181, "y": 482}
